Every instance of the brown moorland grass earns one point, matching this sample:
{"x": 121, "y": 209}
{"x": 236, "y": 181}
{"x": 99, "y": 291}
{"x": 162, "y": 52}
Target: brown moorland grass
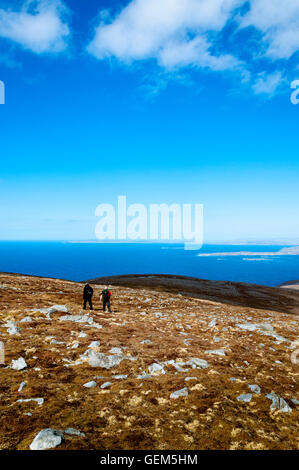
{"x": 136, "y": 413}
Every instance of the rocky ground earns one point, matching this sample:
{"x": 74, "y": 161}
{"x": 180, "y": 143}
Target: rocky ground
{"x": 164, "y": 370}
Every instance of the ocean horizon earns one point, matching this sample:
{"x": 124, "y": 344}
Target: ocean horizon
{"x": 78, "y": 261}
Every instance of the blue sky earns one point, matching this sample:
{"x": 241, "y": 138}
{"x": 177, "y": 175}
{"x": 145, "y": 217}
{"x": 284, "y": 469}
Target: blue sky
{"x": 187, "y": 101}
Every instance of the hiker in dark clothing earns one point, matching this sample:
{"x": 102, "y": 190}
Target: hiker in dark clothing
{"x": 105, "y": 298}
{"x": 87, "y": 296}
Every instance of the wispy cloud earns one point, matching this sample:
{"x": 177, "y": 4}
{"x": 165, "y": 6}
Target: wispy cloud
{"x": 37, "y": 26}
{"x": 185, "y": 33}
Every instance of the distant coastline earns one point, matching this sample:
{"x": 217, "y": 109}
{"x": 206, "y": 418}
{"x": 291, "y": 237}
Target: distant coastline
{"x": 292, "y": 251}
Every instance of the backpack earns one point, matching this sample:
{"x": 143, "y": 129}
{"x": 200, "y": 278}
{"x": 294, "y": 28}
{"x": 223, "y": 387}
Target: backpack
{"x": 106, "y": 294}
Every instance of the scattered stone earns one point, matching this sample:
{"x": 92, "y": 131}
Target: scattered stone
{"x": 145, "y": 341}
{"x": 82, "y": 334}
{"x": 74, "y": 432}
{"x": 18, "y": 364}
{"x": 116, "y": 351}
{"x": 106, "y": 385}
{"x": 278, "y": 403}
{"x": 77, "y": 318}
{"x": 22, "y": 386}
{"x": 13, "y": 330}
{"x": 295, "y": 401}
{"x": 26, "y": 320}
{"x": 90, "y": 384}
{"x": 47, "y": 439}
{"x": 119, "y": 377}
{"x": 255, "y": 388}
{"x": 144, "y": 376}
{"x": 183, "y": 392}
{"x": 97, "y": 359}
{"x": 94, "y": 344}
{"x": 39, "y": 401}
{"x": 197, "y": 363}
{"x": 218, "y": 352}
{"x": 190, "y": 378}
{"x": 246, "y": 397}
{"x": 156, "y": 369}
{"x": 54, "y": 341}
{"x": 212, "y": 323}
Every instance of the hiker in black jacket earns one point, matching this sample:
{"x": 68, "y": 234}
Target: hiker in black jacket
{"x": 87, "y": 296}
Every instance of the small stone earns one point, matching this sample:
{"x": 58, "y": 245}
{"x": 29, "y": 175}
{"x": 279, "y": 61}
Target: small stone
{"x": 94, "y": 344}
{"x": 18, "y": 364}
{"x": 278, "y": 403}
{"x": 26, "y": 320}
{"x": 183, "y": 392}
{"x": 47, "y": 439}
{"x": 246, "y": 397}
{"x": 116, "y": 351}
{"x": 120, "y": 377}
{"x": 39, "y": 401}
{"x": 82, "y": 334}
{"x": 22, "y": 386}
{"x": 255, "y": 388}
{"x": 90, "y": 384}
{"x": 13, "y": 330}
{"x": 156, "y": 369}
{"x": 218, "y": 352}
{"x": 74, "y": 432}
{"x": 106, "y": 385}
{"x": 190, "y": 378}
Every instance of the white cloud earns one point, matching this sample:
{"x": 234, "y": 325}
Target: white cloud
{"x": 181, "y": 33}
{"x": 174, "y": 32}
{"x": 279, "y": 22}
{"x": 40, "y": 31}
{"x": 268, "y": 84}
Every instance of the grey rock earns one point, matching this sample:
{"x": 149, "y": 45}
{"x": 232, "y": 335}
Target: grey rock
{"x": 13, "y": 330}
{"x": 74, "y": 432}
{"x": 22, "y": 386}
{"x": 218, "y": 352}
{"x": 183, "y": 392}
{"x": 77, "y": 318}
{"x": 18, "y": 364}
{"x": 246, "y": 397}
{"x": 116, "y": 351}
{"x": 190, "y": 378}
{"x": 278, "y": 403}
{"x": 90, "y": 384}
{"x": 145, "y": 341}
{"x": 255, "y": 388}
{"x": 47, "y": 439}
{"x": 106, "y": 385}
{"x": 82, "y": 334}
{"x": 197, "y": 363}
{"x": 119, "y": 377}
{"x": 26, "y": 320}
{"x": 144, "y": 376}
{"x": 156, "y": 369}
{"x": 97, "y": 359}
{"x": 295, "y": 401}
{"x": 94, "y": 344}
{"x": 39, "y": 401}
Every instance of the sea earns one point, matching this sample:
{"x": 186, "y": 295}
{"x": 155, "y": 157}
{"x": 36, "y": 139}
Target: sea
{"x": 83, "y": 261}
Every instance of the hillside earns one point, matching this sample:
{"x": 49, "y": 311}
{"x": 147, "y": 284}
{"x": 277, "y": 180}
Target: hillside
{"x": 290, "y": 285}
{"x": 225, "y": 348}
